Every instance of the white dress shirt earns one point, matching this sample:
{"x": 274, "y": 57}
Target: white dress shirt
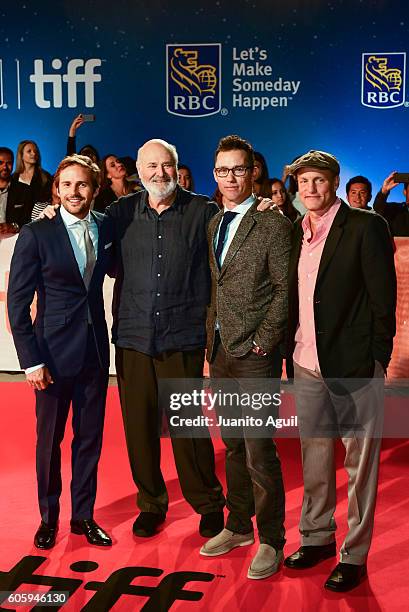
{"x": 3, "y": 203}
{"x": 233, "y": 226}
{"x": 76, "y": 236}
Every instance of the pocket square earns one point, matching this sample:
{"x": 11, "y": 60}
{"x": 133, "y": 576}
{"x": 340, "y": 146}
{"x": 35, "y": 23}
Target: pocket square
{"x": 108, "y": 245}
{"x": 18, "y": 205}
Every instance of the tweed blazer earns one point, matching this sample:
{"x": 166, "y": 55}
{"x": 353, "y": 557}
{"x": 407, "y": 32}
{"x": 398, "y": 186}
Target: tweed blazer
{"x": 249, "y": 293}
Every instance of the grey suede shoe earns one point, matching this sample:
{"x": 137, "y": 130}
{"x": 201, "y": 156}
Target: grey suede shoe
{"x": 266, "y": 562}
{"x": 225, "y": 541}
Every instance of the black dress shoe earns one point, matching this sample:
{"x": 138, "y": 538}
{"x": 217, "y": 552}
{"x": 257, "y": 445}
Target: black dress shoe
{"x": 308, "y": 556}
{"x": 93, "y": 532}
{"x": 147, "y": 523}
{"x": 211, "y": 524}
{"x": 45, "y": 535}
{"x": 345, "y": 577}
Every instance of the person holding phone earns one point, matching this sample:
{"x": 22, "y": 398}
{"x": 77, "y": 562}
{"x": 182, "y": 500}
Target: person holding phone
{"x": 396, "y": 213}
{"x": 88, "y": 150}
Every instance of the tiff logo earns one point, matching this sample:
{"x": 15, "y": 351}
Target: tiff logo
{"x": 161, "y": 597}
{"x": 79, "y": 71}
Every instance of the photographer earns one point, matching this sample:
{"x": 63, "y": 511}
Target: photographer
{"x": 396, "y": 213}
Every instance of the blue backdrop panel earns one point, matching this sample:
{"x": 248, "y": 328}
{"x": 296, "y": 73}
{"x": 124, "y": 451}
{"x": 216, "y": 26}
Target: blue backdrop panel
{"x": 307, "y": 74}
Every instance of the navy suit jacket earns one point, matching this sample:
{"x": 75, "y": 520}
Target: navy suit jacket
{"x": 44, "y": 262}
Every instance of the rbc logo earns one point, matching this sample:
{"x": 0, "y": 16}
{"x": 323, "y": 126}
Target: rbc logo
{"x": 383, "y": 79}
{"x": 193, "y": 79}
{"x": 78, "y": 71}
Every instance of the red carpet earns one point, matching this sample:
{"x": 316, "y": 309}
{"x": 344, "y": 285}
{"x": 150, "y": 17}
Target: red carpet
{"x": 222, "y": 583}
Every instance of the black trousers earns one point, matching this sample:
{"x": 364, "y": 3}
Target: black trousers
{"x": 138, "y": 376}
{"x": 253, "y": 468}
{"x": 87, "y": 393}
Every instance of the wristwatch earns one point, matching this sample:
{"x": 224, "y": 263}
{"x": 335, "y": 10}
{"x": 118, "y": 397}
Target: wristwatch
{"x": 15, "y": 226}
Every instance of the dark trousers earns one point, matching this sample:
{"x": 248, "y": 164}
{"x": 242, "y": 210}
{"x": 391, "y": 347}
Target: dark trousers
{"x": 253, "y": 468}
{"x": 87, "y": 393}
{"x": 138, "y": 376}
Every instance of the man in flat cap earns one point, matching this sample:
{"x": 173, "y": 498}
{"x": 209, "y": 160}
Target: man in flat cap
{"x": 342, "y": 298}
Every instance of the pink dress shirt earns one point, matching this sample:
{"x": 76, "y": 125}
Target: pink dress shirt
{"x": 305, "y": 352}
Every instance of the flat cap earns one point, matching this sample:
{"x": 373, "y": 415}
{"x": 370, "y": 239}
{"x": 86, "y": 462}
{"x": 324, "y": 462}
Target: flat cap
{"x": 315, "y": 159}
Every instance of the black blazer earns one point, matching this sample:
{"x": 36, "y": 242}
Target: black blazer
{"x": 40, "y": 186}
{"x": 19, "y": 204}
{"x": 355, "y": 295}
{"x": 44, "y": 262}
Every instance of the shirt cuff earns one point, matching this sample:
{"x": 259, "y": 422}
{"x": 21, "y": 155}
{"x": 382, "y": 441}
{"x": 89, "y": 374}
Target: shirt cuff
{"x": 34, "y": 368}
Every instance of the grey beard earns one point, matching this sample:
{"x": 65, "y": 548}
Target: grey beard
{"x": 160, "y": 190}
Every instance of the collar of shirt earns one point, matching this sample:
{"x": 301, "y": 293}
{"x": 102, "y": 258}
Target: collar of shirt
{"x": 242, "y": 208}
{"x": 5, "y": 189}
{"x": 322, "y": 225}
{"x": 70, "y": 219}
{"x": 174, "y": 206}
{"x": 76, "y": 236}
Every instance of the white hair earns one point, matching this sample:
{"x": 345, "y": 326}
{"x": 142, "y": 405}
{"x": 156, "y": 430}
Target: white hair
{"x": 170, "y": 147}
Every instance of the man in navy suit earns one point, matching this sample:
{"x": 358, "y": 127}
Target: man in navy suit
{"x": 65, "y": 352}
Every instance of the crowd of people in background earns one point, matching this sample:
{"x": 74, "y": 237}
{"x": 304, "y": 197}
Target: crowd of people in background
{"x": 25, "y": 192}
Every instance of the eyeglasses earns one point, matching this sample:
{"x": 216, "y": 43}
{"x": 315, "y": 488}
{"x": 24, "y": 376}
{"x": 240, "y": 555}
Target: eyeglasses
{"x": 236, "y": 171}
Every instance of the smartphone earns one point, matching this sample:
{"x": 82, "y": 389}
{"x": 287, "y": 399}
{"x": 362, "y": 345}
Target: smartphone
{"x": 88, "y": 117}
{"x": 401, "y": 177}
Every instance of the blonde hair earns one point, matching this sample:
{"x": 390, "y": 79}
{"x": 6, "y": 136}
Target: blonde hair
{"x": 20, "y": 167}
{"x": 19, "y": 155}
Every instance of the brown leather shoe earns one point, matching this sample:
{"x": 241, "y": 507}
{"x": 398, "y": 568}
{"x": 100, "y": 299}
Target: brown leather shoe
{"x": 308, "y": 556}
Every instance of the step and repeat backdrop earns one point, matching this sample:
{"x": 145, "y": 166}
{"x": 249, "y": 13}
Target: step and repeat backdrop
{"x": 287, "y": 76}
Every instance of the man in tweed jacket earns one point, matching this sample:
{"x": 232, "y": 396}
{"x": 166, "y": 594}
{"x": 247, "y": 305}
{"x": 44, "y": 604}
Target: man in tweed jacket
{"x": 249, "y": 253}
